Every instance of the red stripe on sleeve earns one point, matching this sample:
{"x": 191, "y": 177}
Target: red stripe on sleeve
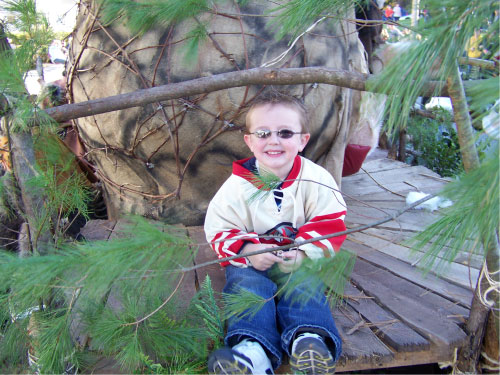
{"x": 327, "y": 217}
{"x": 323, "y": 228}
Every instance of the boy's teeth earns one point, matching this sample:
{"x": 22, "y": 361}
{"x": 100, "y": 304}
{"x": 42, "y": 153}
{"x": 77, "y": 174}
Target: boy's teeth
{"x": 274, "y": 152}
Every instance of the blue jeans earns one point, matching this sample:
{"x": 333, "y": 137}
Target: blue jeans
{"x": 280, "y": 319}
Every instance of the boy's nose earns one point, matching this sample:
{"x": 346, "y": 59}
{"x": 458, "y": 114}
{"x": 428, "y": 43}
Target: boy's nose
{"x": 274, "y": 138}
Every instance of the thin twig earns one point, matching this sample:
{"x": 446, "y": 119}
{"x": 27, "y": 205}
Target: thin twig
{"x": 312, "y": 240}
{"x": 137, "y": 322}
{"x": 381, "y": 186}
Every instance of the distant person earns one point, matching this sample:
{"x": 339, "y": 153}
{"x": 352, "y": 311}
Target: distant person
{"x": 425, "y": 14}
{"x": 475, "y": 50}
{"x": 397, "y": 12}
{"x": 475, "y": 47}
{"x": 56, "y": 52}
{"x": 388, "y": 12}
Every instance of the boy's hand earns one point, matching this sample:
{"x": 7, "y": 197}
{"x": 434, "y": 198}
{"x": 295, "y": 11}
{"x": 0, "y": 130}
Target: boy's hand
{"x": 261, "y": 262}
{"x": 291, "y": 260}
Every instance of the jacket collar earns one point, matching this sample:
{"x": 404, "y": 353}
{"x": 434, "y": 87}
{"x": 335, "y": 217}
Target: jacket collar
{"x": 240, "y": 169}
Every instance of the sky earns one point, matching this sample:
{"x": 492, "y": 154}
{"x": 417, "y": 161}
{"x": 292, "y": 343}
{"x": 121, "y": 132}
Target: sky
{"x": 61, "y": 13}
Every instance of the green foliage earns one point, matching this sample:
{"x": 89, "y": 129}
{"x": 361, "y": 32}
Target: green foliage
{"x": 176, "y": 364}
{"x": 196, "y": 36}
{"x": 14, "y": 64}
{"x": 6, "y": 209}
{"x": 27, "y": 114}
{"x": 265, "y": 182}
{"x": 26, "y": 23}
{"x": 435, "y": 144}
{"x": 443, "y": 39}
{"x": 296, "y": 16}
{"x": 329, "y": 274}
{"x": 204, "y": 307}
{"x": 482, "y": 97}
{"x": 120, "y": 291}
{"x": 14, "y": 340}
{"x": 144, "y": 15}
{"x": 12, "y": 67}
{"x": 52, "y": 341}
{"x": 242, "y": 304}
{"x": 473, "y": 217}
{"x": 326, "y": 274}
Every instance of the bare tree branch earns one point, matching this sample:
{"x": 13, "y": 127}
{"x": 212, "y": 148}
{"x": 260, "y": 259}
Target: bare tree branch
{"x": 257, "y": 76}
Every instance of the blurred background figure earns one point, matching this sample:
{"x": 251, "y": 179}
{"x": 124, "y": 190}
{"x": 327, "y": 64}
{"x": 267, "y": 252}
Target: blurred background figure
{"x": 388, "y": 13}
{"x": 397, "y": 12}
{"x": 57, "y": 54}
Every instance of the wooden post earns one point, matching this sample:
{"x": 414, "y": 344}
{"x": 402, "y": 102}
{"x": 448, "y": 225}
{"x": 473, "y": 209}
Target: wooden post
{"x": 476, "y": 324}
{"x": 23, "y": 165}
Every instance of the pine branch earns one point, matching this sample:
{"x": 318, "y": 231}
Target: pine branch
{"x": 205, "y": 306}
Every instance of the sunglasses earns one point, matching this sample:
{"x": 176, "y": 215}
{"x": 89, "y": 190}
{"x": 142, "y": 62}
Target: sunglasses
{"x": 283, "y": 133}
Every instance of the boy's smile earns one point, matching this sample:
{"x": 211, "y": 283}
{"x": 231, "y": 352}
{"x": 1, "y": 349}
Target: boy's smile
{"x": 274, "y": 153}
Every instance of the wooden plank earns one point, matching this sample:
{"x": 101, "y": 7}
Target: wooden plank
{"x": 361, "y": 346}
{"x": 386, "y": 326}
{"x": 454, "y": 272}
{"x": 119, "y": 229}
{"x": 452, "y": 292}
{"x": 382, "y": 165}
{"x": 402, "y": 237}
{"x": 413, "y": 220}
{"x": 96, "y": 230}
{"x": 435, "y": 354}
{"x": 186, "y": 290}
{"x": 399, "y": 297}
{"x": 204, "y": 254}
{"x": 382, "y": 206}
{"x": 391, "y": 184}
{"x": 416, "y": 174}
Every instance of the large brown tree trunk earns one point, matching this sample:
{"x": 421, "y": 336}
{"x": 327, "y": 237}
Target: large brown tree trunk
{"x": 476, "y": 324}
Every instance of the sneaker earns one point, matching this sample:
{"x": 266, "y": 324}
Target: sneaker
{"x": 310, "y": 355}
{"x": 247, "y": 357}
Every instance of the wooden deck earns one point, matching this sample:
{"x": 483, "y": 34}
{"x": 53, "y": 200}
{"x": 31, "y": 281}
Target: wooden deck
{"x": 393, "y": 314}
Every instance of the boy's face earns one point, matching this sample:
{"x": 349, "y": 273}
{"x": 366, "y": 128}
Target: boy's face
{"x": 274, "y": 153}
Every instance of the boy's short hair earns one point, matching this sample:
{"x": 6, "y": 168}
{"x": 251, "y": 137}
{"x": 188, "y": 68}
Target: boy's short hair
{"x": 275, "y": 97}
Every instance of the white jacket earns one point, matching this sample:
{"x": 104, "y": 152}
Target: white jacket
{"x": 311, "y": 206}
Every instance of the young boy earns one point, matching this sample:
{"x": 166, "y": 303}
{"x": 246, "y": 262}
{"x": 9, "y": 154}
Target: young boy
{"x": 297, "y": 209}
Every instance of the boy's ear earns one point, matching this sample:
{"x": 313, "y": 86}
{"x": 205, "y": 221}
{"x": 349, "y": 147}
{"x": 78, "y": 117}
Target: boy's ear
{"x": 247, "y": 140}
{"x": 304, "y": 138}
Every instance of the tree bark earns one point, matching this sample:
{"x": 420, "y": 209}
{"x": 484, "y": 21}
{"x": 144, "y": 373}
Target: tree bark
{"x": 23, "y": 162}
{"x": 468, "y": 358}
{"x": 483, "y": 64}
{"x": 4, "y": 42}
{"x": 258, "y": 76}
{"x": 415, "y": 12}
{"x": 462, "y": 119}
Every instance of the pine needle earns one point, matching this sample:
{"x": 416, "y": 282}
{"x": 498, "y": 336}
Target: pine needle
{"x": 142, "y": 16}
{"x": 295, "y": 16}
{"x": 473, "y": 217}
{"x": 241, "y": 304}
{"x": 204, "y": 308}
{"x": 265, "y": 182}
